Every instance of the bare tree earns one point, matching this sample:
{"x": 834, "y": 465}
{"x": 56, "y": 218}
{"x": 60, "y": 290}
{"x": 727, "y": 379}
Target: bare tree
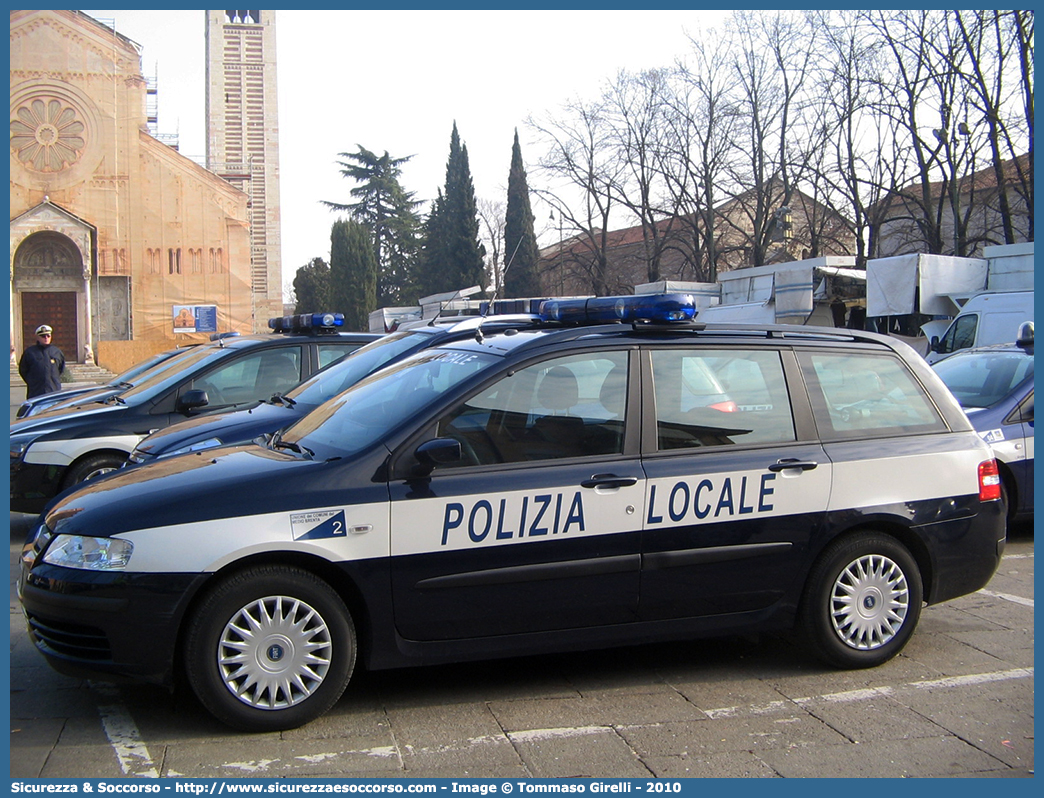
{"x": 579, "y": 161}
{"x": 491, "y": 214}
{"x": 701, "y": 121}
{"x": 636, "y": 106}
{"x": 874, "y": 132}
{"x": 998, "y": 49}
{"x": 774, "y": 60}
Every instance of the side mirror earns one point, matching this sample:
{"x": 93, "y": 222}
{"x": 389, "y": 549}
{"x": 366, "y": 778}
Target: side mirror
{"x": 436, "y": 452}
{"x": 192, "y": 400}
{"x": 934, "y": 345}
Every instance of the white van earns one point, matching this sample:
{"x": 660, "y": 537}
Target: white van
{"x": 987, "y": 318}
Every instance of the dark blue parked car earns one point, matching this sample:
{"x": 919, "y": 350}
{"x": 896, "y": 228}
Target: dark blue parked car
{"x": 282, "y": 410}
{"x": 994, "y": 384}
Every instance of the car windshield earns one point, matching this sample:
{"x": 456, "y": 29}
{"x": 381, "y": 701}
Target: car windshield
{"x": 148, "y": 367}
{"x": 359, "y": 417}
{"x": 159, "y": 377}
{"x": 343, "y": 374}
{"x": 981, "y": 379}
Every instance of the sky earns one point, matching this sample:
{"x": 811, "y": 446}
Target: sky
{"x": 396, "y": 81}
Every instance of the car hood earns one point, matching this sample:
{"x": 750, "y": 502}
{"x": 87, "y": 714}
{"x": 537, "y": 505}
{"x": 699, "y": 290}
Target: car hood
{"x": 227, "y": 483}
{"x": 57, "y": 418}
{"x": 241, "y": 426}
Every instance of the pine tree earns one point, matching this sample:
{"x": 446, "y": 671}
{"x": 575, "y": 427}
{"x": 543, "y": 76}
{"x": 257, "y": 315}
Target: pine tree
{"x": 521, "y": 255}
{"x": 453, "y": 256}
{"x": 353, "y": 273}
{"x": 390, "y": 212}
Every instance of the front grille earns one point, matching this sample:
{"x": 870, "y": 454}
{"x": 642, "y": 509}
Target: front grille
{"x": 70, "y": 640}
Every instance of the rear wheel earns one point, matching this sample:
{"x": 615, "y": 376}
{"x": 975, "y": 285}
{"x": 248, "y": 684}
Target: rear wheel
{"x": 862, "y": 601}
{"x": 270, "y": 648}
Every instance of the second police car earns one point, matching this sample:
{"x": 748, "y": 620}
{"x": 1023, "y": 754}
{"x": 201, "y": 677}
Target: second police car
{"x": 72, "y": 442}
{"x": 571, "y": 486}
{"x": 281, "y": 410}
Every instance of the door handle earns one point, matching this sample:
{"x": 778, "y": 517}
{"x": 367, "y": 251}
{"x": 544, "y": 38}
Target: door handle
{"x": 608, "y": 481}
{"x": 791, "y": 462}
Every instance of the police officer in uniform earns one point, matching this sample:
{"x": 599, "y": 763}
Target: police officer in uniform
{"x": 42, "y": 365}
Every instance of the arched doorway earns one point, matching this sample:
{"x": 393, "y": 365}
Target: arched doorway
{"x": 48, "y": 286}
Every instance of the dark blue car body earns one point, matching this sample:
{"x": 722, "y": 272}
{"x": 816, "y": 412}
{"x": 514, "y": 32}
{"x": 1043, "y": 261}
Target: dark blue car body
{"x": 994, "y": 385}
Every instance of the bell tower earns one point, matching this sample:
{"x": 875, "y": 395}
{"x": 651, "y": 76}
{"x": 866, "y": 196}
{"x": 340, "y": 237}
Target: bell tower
{"x": 243, "y": 138}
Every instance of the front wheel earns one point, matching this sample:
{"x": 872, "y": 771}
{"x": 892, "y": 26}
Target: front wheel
{"x": 270, "y": 648}
{"x": 862, "y": 601}
{"x": 95, "y": 465}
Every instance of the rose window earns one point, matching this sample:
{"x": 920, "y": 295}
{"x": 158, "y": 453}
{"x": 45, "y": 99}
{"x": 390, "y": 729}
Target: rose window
{"x": 47, "y": 135}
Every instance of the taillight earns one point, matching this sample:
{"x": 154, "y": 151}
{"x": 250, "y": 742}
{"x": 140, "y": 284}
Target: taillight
{"x": 989, "y": 481}
{"x": 728, "y": 406}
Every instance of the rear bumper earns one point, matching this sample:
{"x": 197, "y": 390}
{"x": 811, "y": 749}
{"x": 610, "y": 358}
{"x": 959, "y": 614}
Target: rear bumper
{"x": 965, "y": 554}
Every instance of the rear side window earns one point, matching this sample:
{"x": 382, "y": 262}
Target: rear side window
{"x": 719, "y": 398}
{"x": 331, "y": 352}
{"x": 866, "y": 396}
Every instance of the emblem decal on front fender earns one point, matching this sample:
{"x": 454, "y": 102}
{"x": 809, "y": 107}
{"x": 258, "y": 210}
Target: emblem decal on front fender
{"x": 320, "y": 524}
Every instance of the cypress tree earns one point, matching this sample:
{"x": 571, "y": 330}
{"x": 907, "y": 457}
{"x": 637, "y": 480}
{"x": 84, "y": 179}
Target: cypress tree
{"x": 312, "y": 287}
{"x": 521, "y": 256}
{"x": 353, "y": 273}
{"x": 453, "y": 256}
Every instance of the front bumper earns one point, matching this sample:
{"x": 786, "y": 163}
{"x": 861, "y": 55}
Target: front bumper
{"x": 106, "y": 624}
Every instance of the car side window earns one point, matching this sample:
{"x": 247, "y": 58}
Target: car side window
{"x": 567, "y": 407}
{"x": 863, "y": 396}
{"x": 252, "y": 377}
{"x": 720, "y": 398}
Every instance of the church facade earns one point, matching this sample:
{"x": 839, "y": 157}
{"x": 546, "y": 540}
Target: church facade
{"x": 113, "y": 232}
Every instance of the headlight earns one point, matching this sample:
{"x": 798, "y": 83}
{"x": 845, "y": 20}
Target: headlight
{"x": 20, "y": 445}
{"x": 209, "y": 443}
{"x": 89, "y": 554}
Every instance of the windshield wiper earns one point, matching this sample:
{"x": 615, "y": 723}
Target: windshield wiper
{"x": 282, "y": 399}
{"x": 109, "y": 400}
{"x": 279, "y": 443}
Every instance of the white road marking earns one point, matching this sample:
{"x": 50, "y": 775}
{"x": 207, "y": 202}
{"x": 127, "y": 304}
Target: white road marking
{"x": 1025, "y": 602}
{"x": 870, "y": 693}
{"x": 123, "y": 734}
{"x": 537, "y": 735}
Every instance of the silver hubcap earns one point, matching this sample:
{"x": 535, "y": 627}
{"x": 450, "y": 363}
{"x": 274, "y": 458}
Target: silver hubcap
{"x": 99, "y": 472}
{"x": 869, "y": 601}
{"x": 274, "y": 652}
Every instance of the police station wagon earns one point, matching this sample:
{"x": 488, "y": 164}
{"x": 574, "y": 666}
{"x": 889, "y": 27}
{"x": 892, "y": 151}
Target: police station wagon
{"x": 565, "y": 486}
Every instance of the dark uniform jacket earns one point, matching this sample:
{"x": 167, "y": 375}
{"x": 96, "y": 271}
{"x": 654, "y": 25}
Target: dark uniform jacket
{"x": 41, "y": 368}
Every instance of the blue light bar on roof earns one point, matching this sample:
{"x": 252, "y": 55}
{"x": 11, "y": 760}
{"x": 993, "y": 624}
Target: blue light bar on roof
{"x": 306, "y": 321}
{"x": 648, "y": 308}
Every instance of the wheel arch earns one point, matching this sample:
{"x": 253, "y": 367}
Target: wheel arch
{"x": 107, "y": 451}
{"x": 1011, "y": 487}
{"x": 894, "y": 528}
{"x": 340, "y": 582}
